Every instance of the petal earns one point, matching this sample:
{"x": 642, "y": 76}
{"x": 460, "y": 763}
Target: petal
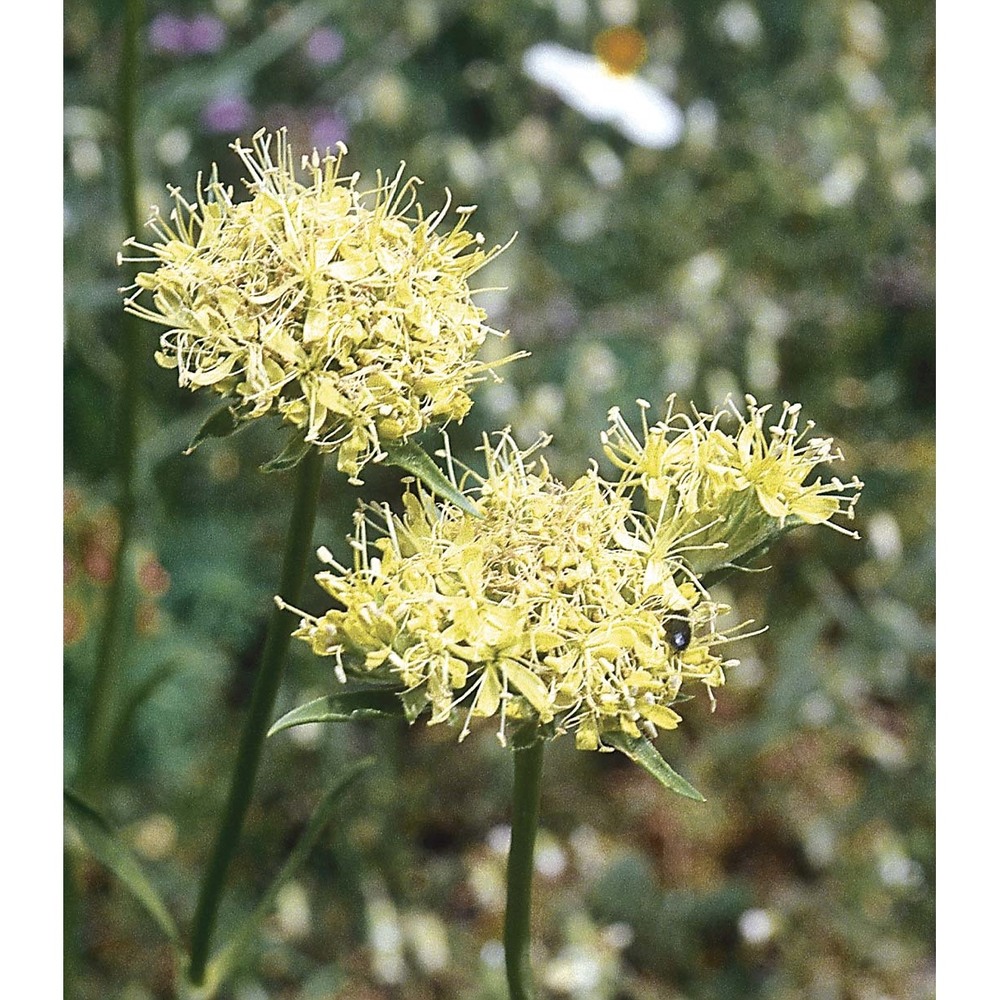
{"x": 771, "y": 505}
{"x": 529, "y": 685}
{"x": 647, "y": 116}
{"x": 488, "y": 698}
{"x": 814, "y": 508}
{"x": 659, "y": 715}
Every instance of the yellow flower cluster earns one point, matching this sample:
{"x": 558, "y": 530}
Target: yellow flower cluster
{"x": 349, "y": 312}
{"x": 725, "y": 494}
{"x": 579, "y": 608}
{"x": 549, "y": 609}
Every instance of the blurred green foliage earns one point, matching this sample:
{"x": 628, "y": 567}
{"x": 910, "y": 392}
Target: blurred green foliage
{"x": 783, "y": 247}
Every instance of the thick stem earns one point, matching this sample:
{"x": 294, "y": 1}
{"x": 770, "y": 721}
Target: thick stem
{"x": 520, "y": 864}
{"x": 297, "y": 548}
{"x": 100, "y": 709}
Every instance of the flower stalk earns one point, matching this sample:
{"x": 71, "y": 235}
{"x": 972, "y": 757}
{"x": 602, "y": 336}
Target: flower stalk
{"x": 100, "y": 710}
{"x": 298, "y": 547}
{"x": 520, "y": 866}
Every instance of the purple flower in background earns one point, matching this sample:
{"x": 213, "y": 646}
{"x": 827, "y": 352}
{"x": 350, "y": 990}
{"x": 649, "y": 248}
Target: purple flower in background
{"x": 324, "y": 46}
{"x": 168, "y": 33}
{"x": 226, "y": 113}
{"x": 328, "y": 128}
{"x": 205, "y": 33}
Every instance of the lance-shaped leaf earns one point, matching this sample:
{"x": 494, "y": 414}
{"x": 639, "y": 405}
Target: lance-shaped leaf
{"x": 413, "y": 459}
{"x": 525, "y": 735}
{"x": 290, "y": 456}
{"x": 104, "y": 844}
{"x": 225, "y": 961}
{"x": 741, "y": 564}
{"x": 219, "y": 424}
{"x": 414, "y": 701}
{"x": 135, "y": 699}
{"x": 647, "y": 756}
{"x": 368, "y": 703}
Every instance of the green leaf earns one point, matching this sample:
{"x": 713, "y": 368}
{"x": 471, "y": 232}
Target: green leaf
{"x": 412, "y": 458}
{"x": 126, "y": 717}
{"x": 103, "y": 842}
{"x": 414, "y": 701}
{"x": 368, "y": 703}
{"x": 290, "y": 456}
{"x": 226, "y": 959}
{"x": 741, "y": 563}
{"x": 525, "y": 735}
{"x": 219, "y": 424}
{"x": 647, "y": 756}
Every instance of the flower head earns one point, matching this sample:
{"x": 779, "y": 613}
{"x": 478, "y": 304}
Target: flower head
{"x": 348, "y": 312}
{"x": 724, "y": 492}
{"x": 551, "y": 609}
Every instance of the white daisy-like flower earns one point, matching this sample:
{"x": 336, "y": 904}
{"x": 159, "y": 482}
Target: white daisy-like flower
{"x": 603, "y": 86}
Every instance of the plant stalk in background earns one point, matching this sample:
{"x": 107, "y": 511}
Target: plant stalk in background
{"x": 100, "y": 710}
{"x": 298, "y": 547}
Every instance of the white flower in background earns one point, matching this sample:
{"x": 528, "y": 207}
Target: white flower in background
{"x": 838, "y": 187}
{"x": 757, "y": 926}
{"x": 739, "y": 23}
{"x": 604, "y": 88}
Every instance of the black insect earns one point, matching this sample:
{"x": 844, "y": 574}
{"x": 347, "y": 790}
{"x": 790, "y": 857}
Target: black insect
{"x": 678, "y": 631}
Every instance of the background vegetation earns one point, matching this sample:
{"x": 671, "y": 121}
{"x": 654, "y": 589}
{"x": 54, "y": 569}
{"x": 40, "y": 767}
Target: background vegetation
{"x": 784, "y": 247}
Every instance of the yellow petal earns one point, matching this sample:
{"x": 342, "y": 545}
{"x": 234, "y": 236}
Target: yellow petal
{"x": 659, "y": 715}
{"x": 529, "y": 685}
{"x": 488, "y": 697}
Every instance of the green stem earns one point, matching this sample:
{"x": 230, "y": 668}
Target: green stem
{"x": 520, "y": 864}
{"x": 100, "y": 708}
{"x": 297, "y": 548}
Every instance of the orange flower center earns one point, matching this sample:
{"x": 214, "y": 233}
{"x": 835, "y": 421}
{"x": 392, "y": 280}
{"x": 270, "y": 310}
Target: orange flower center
{"x": 622, "y": 49}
